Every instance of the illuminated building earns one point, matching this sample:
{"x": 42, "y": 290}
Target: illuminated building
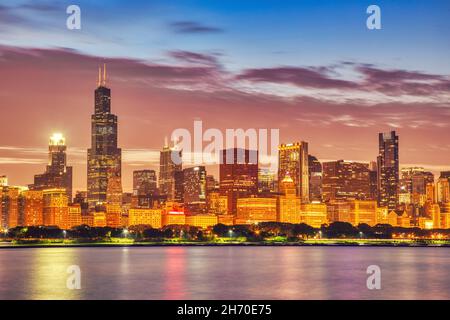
{"x": 443, "y": 190}
{"x": 382, "y": 215}
{"x": 194, "y": 189}
{"x": 315, "y": 179}
{"x": 388, "y": 170}
{"x": 144, "y": 182}
{"x": 57, "y": 174}
{"x": 217, "y": 204}
{"x": 293, "y": 159}
{"x": 9, "y": 206}
{"x": 238, "y": 176}
{"x": 226, "y": 219}
{"x": 373, "y": 180}
{"x": 254, "y": 210}
{"x": 74, "y": 218}
{"x": 56, "y": 208}
{"x": 363, "y": 211}
{"x": 314, "y": 214}
{"x": 203, "y": 221}
{"x": 147, "y": 201}
{"x": 33, "y": 207}
{"x": 266, "y": 181}
{"x": 288, "y": 204}
{"x": 398, "y": 218}
{"x": 104, "y": 157}
{"x": 212, "y": 184}
{"x": 150, "y": 217}
{"x": 426, "y": 223}
{"x": 338, "y": 211}
{"x": 433, "y": 212}
{"x": 114, "y": 202}
{"x": 3, "y": 181}
{"x": 344, "y": 180}
{"x": 445, "y": 219}
{"x": 413, "y": 185}
{"x": 173, "y": 217}
{"x": 167, "y": 170}
{"x": 99, "y": 219}
{"x": 88, "y": 219}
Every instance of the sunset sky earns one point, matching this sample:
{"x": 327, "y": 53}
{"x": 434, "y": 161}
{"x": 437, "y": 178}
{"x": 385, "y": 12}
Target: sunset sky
{"x": 309, "y": 68}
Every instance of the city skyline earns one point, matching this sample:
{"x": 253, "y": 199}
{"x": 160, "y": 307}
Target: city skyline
{"x": 190, "y": 69}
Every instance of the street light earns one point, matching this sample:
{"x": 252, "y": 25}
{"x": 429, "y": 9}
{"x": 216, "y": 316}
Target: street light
{"x": 125, "y": 232}
{"x": 230, "y": 232}
{"x": 64, "y": 233}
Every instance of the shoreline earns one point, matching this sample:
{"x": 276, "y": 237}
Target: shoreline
{"x": 306, "y": 243}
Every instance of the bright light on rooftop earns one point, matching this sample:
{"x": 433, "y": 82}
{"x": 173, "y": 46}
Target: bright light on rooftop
{"x": 57, "y": 139}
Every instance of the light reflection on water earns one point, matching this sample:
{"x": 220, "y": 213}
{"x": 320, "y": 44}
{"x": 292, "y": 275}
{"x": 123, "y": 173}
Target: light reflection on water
{"x": 225, "y": 273}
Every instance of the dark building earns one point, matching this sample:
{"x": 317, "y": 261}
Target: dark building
{"x": 445, "y": 175}
{"x": 144, "y": 182}
{"x": 388, "y": 170}
{"x": 345, "y": 181}
{"x": 104, "y": 157}
{"x": 238, "y": 176}
{"x": 315, "y": 179}
{"x": 178, "y": 182}
{"x": 57, "y": 174}
{"x": 194, "y": 189}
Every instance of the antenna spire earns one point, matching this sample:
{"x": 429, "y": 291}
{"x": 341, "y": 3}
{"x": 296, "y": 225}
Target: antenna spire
{"x": 104, "y": 74}
{"x": 99, "y": 81}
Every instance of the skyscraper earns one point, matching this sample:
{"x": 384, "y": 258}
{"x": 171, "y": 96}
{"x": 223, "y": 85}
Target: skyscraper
{"x": 144, "y": 182}
{"x": 238, "y": 176}
{"x": 167, "y": 169}
{"x": 104, "y": 158}
{"x": 194, "y": 191}
{"x": 315, "y": 179}
{"x": 343, "y": 180}
{"x": 57, "y": 174}
{"x": 293, "y": 160}
{"x": 388, "y": 170}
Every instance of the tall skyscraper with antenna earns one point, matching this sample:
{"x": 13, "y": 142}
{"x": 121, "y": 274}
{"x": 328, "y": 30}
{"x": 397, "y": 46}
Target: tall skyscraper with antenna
{"x": 104, "y": 157}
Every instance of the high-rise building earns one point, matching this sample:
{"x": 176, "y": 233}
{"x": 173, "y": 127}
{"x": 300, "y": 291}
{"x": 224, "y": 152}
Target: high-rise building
{"x": 413, "y": 183}
{"x": 104, "y": 157}
{"x": 114, "y": 202}
{"x": 238, "y": 176}
{"x": 211, "y": 184}
{"x": 256, "y": 209}
{"x": 167, "y": 169}
{"x": 388, "y": 170}
{"x": 57, "y": 174}
{"x": 344, "y": 180}
{"x": 315, "y": 179}
{"x": 266, "y": 181}
{"x": 194, "y": 189}
{"x": 373, "y": 180}
{"x": 56, "y": 208}
{"x": 293, "y": 159}
{"x": 32, "y": 208}
{"x": 443, "y": 190}
{"x": 10, "y": 206}
{"x": 144, "y": 182}
{"x": 3, "y": 181}
{"x": 288, "y": 203}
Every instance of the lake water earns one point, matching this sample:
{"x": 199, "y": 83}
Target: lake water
{"x": 225, "y": 273}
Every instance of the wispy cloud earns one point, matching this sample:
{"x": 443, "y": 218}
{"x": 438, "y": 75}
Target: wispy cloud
{"x": 193, "y": 27}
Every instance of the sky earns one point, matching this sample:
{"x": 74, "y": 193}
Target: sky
{"x": 311, "y": 69}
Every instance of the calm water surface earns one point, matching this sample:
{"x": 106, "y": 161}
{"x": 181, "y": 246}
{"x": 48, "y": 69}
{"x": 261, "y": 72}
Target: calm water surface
{"x": 225, "y": 273}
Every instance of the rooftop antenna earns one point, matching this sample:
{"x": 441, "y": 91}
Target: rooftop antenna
{"x": 104, "y": 74}
{"x": 99, "y": 82}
